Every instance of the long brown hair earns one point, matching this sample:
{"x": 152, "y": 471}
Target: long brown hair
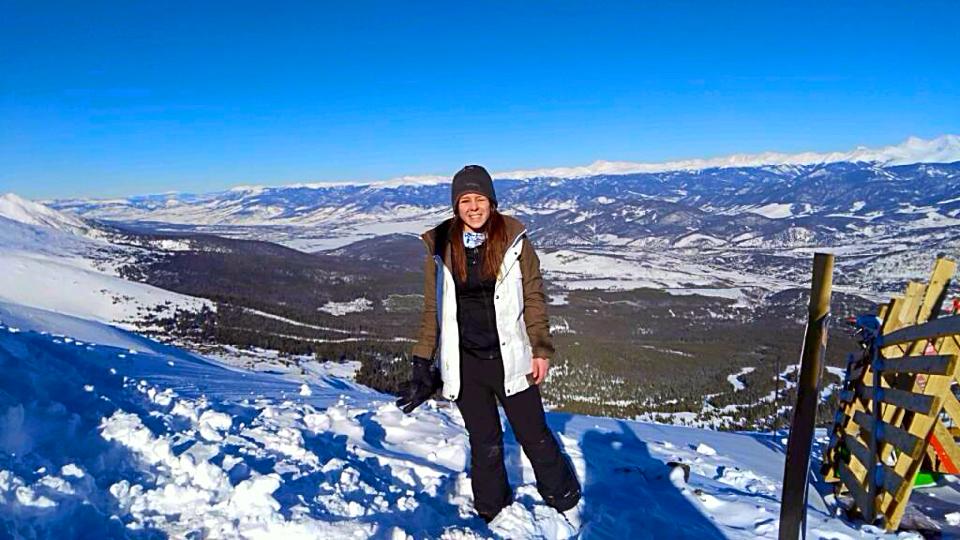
{"x": 496, "y": 246}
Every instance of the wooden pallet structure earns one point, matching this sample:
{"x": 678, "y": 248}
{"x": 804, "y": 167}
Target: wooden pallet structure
{"x": 898, "y": 408}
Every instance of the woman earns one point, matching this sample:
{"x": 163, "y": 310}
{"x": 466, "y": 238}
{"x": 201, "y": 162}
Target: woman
{"x": 484, "y": 314}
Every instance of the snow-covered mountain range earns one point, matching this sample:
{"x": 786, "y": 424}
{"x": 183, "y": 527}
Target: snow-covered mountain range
{"x": 729, "y": 223}
{"x": 307, "y": 203}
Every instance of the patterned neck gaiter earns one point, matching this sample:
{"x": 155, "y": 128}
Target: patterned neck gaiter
{"x": 473, "y": 239}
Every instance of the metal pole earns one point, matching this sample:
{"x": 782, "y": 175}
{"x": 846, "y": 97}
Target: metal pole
{"x": 797, "y": 466}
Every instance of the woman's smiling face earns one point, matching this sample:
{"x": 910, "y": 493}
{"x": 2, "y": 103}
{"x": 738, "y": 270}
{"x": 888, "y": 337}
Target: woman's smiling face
{"x": 474, "y": 210}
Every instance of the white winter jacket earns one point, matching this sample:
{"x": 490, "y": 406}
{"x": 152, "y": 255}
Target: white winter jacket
{"x": 519, "y": 303}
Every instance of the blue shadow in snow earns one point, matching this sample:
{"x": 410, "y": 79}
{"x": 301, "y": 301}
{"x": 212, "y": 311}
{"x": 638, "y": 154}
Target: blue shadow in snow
{"x": 48, "y": 420}
{"x": 627, "y": 492}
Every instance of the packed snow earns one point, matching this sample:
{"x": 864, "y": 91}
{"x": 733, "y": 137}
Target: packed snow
{"x": 171, "y": 443}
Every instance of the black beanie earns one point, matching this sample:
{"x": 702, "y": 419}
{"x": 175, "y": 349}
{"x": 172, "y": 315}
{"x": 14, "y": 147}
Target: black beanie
{"x": 472, "y": 179}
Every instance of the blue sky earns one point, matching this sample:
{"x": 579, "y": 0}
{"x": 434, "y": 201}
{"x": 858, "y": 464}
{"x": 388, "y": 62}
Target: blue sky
{"x": 120, "y": 98}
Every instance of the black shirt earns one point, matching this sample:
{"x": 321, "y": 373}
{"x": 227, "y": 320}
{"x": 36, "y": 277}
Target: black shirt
{"x": 476, "y": 315}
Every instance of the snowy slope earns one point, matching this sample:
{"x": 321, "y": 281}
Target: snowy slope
{"x": 54, "y": 261}
{"x": 100, "y": 442}
{"x": 18, "y": 209}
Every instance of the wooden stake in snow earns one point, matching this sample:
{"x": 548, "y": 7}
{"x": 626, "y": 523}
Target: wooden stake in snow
{"x": 793, "y": 505}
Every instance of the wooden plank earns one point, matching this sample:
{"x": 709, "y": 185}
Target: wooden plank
{"x": 905, "y": 442}
{"x": 952, "y": 407}
{"x": 913, "y": 301}
{"x": 939, "y": 364}
{"x": 857, "y": 449}
{"x": 892, "y": 482}
{"x": 892, "y": 321}
{"x": 918, "y": 403}
{"x": 934, "y": 329}
{"x": 943, "y": 270}
{"x": 861, "y": 499}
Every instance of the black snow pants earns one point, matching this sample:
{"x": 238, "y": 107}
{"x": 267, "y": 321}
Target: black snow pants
{"x": 481, "y": 388}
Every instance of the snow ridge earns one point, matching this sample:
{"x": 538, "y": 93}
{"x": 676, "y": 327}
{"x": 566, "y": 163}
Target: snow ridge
{"x": 18, "y": 209}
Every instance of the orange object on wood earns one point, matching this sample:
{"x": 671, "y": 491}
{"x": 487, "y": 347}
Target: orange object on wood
{"x": 948, "y": 465}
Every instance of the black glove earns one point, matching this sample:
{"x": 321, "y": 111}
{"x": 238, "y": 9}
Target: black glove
{"x": 422, "y": 384}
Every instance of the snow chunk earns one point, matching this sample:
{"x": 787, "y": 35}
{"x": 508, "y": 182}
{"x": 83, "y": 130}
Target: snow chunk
{"x": 128, "y": 430}
{"x": 253, "y": 496}
{"x": 212, "y": 422}
{"x": 706, "y": 450}
{"x": 71, "y": 470}
{"x": 29, "y": 497}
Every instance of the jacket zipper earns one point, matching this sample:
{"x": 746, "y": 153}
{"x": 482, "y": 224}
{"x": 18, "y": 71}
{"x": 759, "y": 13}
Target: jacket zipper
{"x": 505, "y": 271}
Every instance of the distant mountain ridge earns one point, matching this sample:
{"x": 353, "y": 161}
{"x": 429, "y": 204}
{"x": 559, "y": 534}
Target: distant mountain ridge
{"x": 735, "y": 206}
{"x": 733, "y": 226}
{"x": 943, "y": 149}
{"x": 308, "y": 204}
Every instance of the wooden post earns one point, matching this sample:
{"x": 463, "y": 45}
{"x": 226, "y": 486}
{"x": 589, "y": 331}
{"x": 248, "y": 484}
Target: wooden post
{"x": 797, "y": 467}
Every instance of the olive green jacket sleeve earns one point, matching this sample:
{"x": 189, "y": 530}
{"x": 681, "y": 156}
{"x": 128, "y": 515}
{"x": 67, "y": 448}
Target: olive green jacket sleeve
{"x": 535, "y": 303}
{"x": 427, "y": 337}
